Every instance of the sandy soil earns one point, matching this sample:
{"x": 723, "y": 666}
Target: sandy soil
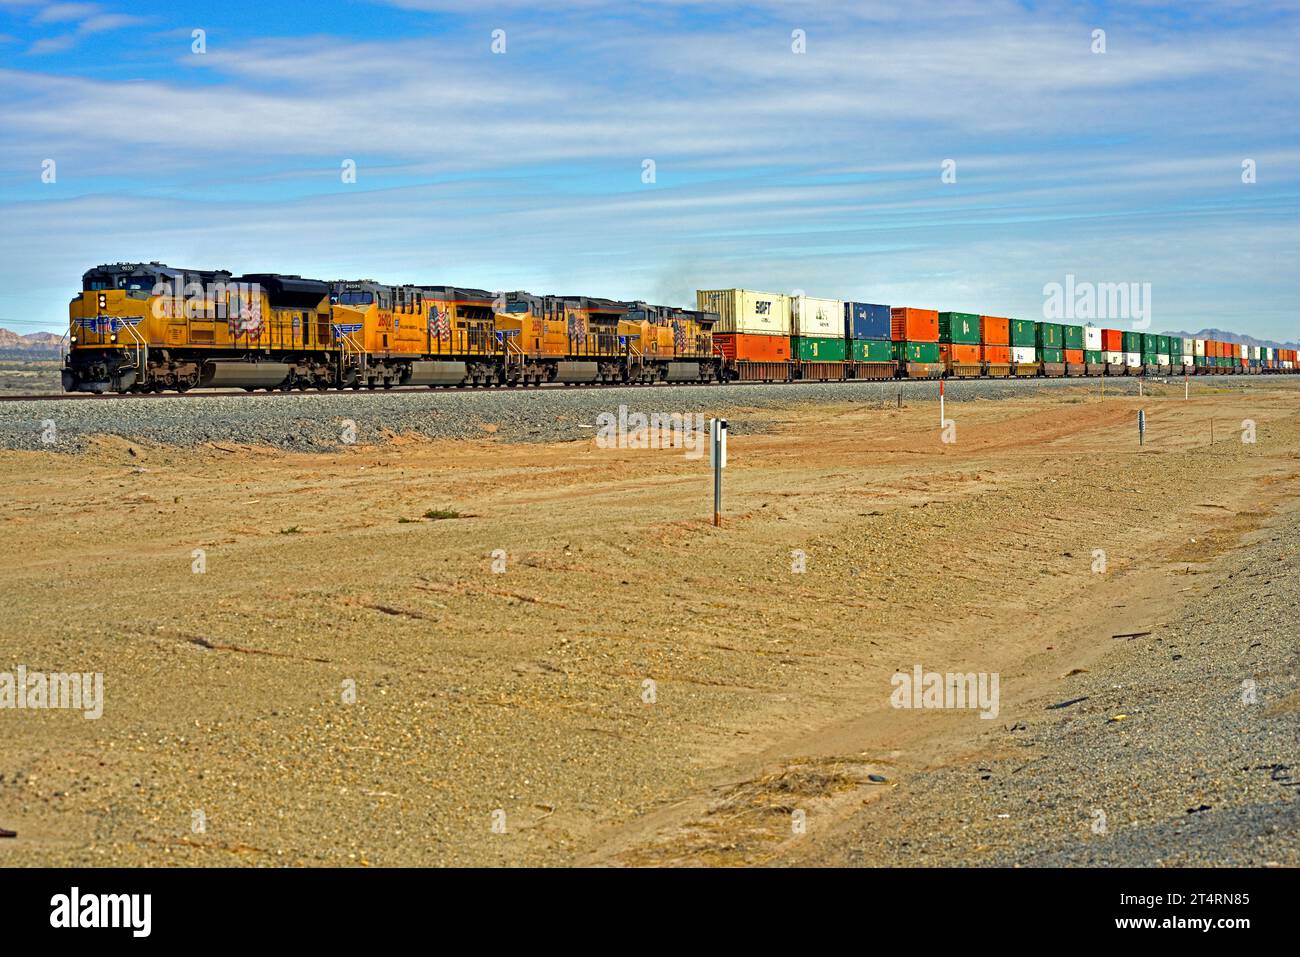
{"x": 502, "y": 718}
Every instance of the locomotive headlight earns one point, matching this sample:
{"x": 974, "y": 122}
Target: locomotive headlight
{"x": 113, "y": 337}
{"x": 72, "y": 339}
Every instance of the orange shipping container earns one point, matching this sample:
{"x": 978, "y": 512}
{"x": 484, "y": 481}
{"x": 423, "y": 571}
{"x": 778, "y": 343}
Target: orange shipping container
{"x": 753, "y": 347}
{"x": 913, "y": 325}
{"x": 1112, "y": 340}
{"x": 996, "y": 354}
{"x": 960, "y": 354}
{"x": 995, "y": 331}
{"x": 1074, "y": 356}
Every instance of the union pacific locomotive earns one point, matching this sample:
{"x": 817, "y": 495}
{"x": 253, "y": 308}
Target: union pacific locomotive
{"x": 148, "y": 327}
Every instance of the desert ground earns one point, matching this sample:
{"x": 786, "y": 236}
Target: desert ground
{"x": 481, "y": 652}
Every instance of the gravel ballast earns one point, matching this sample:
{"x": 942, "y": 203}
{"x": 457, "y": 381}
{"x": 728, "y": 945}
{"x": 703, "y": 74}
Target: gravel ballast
{"x": 323, "y": 421}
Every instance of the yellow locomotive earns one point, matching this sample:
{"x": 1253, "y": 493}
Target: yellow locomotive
{"x": 142, "y": 327}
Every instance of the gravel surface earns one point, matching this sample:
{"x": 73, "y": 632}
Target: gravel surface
{"x": 1193, "y": 774}
{"x": 321, "y": 420}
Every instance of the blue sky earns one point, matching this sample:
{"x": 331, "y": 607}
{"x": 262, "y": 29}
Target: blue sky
{"x": 778, "y": 170}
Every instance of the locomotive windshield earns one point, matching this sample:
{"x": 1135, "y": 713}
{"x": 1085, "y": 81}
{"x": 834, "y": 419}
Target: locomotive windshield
{"x": 356, "y": 298}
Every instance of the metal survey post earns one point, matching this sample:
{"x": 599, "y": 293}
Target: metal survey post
{"x": 717, "y": 459}
{"x": 1142, "y": 425}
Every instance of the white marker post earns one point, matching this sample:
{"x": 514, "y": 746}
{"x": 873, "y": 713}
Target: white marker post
{"x": 1139, "y": 388}
{"x": 717, "y": 459}
{"x": 1185, "y": 387}
{"x": 941, "y": 415}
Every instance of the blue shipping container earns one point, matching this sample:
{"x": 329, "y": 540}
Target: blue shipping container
{"x": 866, "y": 320}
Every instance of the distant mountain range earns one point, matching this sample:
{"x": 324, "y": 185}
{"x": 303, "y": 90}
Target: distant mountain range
{"x": 1222, "y": 335}
{"x": 34, "y": 345}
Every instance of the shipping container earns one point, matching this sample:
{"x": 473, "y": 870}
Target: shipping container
{"x": 1055, "y": 356}
{"x": 1072, "y": 338}
{"x": 1112, "y": 340}
{"x": 1024, "y": 333}
{"x": 1093, "y": 356}
{"x": 995, "y": 330}
{"x": 1113, "y": 358}
{"x": 959, "y": 354}
{"x": 996, "y": 355}
{"x": 959, "y": 327}
{"x": 1049, "y": 336}
{"x": 1133, "y": 359}
{"x": 1198, "y": 347}
{"x": 1151, "y": 343}
{"x": 1092, "y": 339}
{"x": 1162, "y": 359}
{"x": 1074, "y": 356}
{"x": 866, "y": 320}
{"x": 914, "y": 325}
{"x": 811, "y": 316}
{"x": 872, "y": 350}
{"x": 746, "y": 311}
{"x": 1131, "y": 342}
{"x": 916, "y": 352}
{"x": 1199, "y": 361}
{"x": 818, "y": 349}
{"x": 753, "y": 348}
{"x": 1241, "y": 350}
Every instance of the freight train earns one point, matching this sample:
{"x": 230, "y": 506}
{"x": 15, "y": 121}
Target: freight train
{"x": 148, "y": 327}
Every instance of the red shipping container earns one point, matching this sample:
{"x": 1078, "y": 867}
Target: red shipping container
{"x": 996, "y": 354}
{"x": 1112, "y": 340}
{"x": 995, "y": 331}
{"x": 961, "y": 354}
{"x": 1074, "y": 356}
{"x": 753, "y": 347}
{"x": 913, "y": 325}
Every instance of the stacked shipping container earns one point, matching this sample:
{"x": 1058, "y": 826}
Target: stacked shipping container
{"x": 995, "y": 345}
{"x": 959, "y": 343}
{"x": 915, "y": 334}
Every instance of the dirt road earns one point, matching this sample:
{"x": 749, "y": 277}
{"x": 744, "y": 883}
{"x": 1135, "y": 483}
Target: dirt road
{"x": 301, "y": 668}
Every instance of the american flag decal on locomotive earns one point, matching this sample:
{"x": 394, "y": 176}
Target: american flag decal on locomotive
{"x": 440, "y": 323}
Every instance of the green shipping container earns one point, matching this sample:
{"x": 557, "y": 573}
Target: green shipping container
{"x": 1199, "y": 360}
{"x": 1049, "y": 337}
{"x": 959, "y": 327}
{"x": 916, "y": 351}
{"x": 817, "y": 349}
{"x": 1024, "y": 333}
{"x": 1132, "y": 341}
{"x": 1051, "y": 355}
{"x": 872, "y": 350}
{"x": 1072, "y": 336}
{"x": 1154, "y": 344}
{"x": 1150, "y": 359}
{"x": 1091, "y": 356}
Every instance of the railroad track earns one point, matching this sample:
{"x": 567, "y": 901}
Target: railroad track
{"x": 420, "y": 390}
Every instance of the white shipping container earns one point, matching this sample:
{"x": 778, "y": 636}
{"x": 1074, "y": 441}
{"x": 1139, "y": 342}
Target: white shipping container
{"x": 1114, "y": 358}
{"x": 1255, "y": 353}
{"x": 1198, "y": 347}
{"x": 1189, "y": 360}
{"x": 1241, "y": 350}
{"x": 1133, "y": 360}
{"x": 746, "y": 311}
{"x": 1268, "y": 353}
{"x": 1023, "y": 354}
{"x": 1183, "y": 346}
{"x": 810, "y": 316}
{"x": 1162, "y": 359}
{"x": 1092, "y": 338}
